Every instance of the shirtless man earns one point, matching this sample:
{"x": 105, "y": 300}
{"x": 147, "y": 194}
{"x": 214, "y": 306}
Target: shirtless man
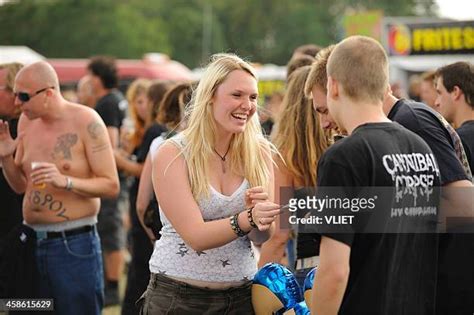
{"x": 63, "y": 163}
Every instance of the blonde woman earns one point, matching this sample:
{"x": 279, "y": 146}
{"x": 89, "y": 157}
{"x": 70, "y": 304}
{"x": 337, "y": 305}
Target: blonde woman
{"x": 301, "y": 141}
{"x": 214, "y": 183}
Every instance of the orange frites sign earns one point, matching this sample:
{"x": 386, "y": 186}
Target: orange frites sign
{"x": 431, "y": 39}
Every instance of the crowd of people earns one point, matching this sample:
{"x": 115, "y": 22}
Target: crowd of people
{"x": 188, "y": 180}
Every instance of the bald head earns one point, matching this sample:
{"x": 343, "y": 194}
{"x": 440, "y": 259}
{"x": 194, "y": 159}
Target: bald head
{"x": 38, "y": 75}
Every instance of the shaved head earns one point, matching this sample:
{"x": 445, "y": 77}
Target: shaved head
{"x": 38, "y": 75}
{"x": 360, "y": 65}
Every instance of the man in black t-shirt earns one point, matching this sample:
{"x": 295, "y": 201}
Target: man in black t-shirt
{"x": 111, "y": 104}
{"x": 366, "y": 273}
{"x": 112, "y": 107}
{"x": 428, "y": 124}
{"x": 455, "y": 101}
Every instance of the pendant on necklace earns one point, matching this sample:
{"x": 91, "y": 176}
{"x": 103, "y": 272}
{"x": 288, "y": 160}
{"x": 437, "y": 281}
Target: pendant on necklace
{"x": 223, "y": 158}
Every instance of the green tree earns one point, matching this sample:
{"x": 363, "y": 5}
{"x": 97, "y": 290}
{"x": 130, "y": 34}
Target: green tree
{"x": 72, "y": 28}
{"x": 265, "y": 31}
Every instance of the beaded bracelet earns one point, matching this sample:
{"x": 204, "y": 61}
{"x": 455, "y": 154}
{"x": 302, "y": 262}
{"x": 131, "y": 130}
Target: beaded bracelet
{"x": 250, "y": 217}
{"x": 234, "y": 224}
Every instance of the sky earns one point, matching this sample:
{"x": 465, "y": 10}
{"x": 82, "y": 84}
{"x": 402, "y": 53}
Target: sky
{"x": 456, "y": 9}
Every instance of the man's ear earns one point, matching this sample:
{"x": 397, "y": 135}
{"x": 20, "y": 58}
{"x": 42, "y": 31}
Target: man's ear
{"x": 456, "y": 93}
{"x": 49, "y": 92}
{"x": 333, "y": 88}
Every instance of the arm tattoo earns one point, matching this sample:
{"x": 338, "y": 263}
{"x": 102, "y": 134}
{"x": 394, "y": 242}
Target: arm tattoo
{"x": 63, "y": 146}
{"x": 100, "y": 147}
{"x": 94, "y": 130}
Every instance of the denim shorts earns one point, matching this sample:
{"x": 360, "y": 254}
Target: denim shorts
{"x": 168, "y": 296}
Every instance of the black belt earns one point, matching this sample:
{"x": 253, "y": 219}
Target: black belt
{"x": 76, "y": 231}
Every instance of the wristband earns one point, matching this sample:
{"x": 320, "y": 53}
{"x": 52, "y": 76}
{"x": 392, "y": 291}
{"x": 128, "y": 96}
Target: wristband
{"x": 250, "y": 217}
{"x": 68, "y": 184}
{"x": 234, "y": 224}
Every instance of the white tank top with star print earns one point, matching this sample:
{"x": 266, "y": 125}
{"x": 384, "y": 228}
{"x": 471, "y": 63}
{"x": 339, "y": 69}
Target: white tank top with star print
{"x": 232, "y": 262}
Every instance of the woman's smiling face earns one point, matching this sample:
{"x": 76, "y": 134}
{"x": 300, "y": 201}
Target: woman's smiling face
{"x": 235, "y": 101}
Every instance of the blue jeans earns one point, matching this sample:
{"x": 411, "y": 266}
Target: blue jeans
{"x": 70, "y": 272}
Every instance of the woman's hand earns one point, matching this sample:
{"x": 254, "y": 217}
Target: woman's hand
{"x": 264, "y": 213}
{"x": 255, "y": 195}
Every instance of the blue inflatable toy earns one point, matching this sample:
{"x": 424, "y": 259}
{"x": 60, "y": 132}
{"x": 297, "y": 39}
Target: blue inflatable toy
{"x": 275, "y": 291}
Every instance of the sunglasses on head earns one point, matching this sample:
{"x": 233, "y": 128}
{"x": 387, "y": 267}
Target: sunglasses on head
{"x": 25, "y": 97}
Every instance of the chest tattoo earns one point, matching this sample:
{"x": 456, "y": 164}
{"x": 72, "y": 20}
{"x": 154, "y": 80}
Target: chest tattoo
{"x": 62, "y": 149}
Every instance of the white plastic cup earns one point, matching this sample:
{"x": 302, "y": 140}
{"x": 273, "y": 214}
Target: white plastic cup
{"x": 35, "y": 165}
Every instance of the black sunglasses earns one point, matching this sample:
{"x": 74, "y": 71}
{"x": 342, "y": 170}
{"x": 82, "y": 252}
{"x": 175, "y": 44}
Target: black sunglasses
{"x": 25, "y": 97}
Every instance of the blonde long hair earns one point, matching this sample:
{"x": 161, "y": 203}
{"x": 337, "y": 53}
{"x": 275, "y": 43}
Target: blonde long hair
{"x": 249, "y": 150}
{"x": 298, "y": 135}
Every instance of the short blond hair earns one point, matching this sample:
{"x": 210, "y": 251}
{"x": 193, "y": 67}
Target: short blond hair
{"x": 360, "y": 65}
{"x": 318, "y": 75}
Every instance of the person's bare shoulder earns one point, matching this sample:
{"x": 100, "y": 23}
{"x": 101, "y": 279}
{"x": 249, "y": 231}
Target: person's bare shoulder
{"x": 78, "y": 110}
{"x": 83, "y": 117}
{"x": 168, "y": 151}
{"x": 169, "y": 161}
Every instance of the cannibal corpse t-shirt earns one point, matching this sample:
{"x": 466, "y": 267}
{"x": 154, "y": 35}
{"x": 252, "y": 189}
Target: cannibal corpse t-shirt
{"x": 392, "y": 265}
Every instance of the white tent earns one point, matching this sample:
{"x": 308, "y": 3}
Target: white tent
{"x": 402, "y": 66}
{"x": 20, "y": 54}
